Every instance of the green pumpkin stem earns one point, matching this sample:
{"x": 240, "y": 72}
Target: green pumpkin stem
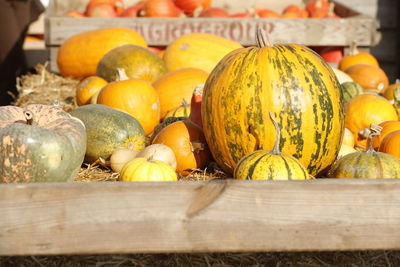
{"x": 374, "y": 132}
{"x": 262, "y": 39}
{"x": 29, "y": 117}
{"x": 276, "y": 151}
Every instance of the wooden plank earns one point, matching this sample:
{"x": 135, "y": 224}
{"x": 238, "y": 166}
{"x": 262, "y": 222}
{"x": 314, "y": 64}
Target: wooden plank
{"x": 162, "y": 31}
{"x": 219, "y": 216}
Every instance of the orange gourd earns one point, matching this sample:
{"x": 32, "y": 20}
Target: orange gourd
{"x": 365, "y": 109}
{"x": 79, "y": 55}
{"x": 369, "y": 77}
{"x": 391, "y": 144}
{"x": 134, "y": 96}
{"x": 160, "y": 8}
{"x": 317, "y": 8}
{"x": 387, "y": 128}
{"x": 354, "y": 57}
{"x": 187, "y": 141}
{"x": 177, "y": 85}
{"x": 189, "y": 6}
{"x": 87, "y": 88}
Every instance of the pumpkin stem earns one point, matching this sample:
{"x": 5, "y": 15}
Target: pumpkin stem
{"x": 353, "y": 49}
{"x": 262, "y": 39}
{"x": 121, "y": 75}
{"x": 374, "y": 131}
{"x": 276, "y": 151}
{"x": 198, "y": 90}
{"x": 28, "y": 117}
{"x": 196, "y": 146}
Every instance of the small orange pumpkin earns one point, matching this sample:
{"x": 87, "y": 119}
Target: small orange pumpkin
{"x": 87, "y": 88}
{"x": 187, "y": 141}
{"x": 177, "y": 85}
{"x": 369, "y": 77}
{"x": 354, "y": 57}
{"x": 134, "y": 96}
{"x": 365, "y": 109}
{"x": 391, "y": 144}
{"x": 387, "y": 128}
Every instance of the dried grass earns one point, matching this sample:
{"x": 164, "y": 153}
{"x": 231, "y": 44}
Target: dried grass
{"x": 44, "y": 87}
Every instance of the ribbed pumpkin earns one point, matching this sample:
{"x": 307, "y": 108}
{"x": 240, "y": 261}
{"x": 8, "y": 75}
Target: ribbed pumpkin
{"x": 388, "y": 93}
{"x": 270, "y": 165}
{"x": 387, "y": 128}
{"x": 176, "y": 86}
{"x": 391, "y": 144}
{"x": 369, "y": 77}
{"x": 187, "y": 141}
{"x": 350, "y": 90}
{"x": 138, "y": 63}
{"x": 79, "y": 55}
{"x": 354, "y": 57}
{"x": 147, "y": 170}
{"x": 365, "y": 109}
{"x": 87, "y": 88}
{"x": 40, "y": 143}
{"x": 366, "y": 164}
{"x": 107, "y": 130}
{"x": 291, "y": 80}
{"x": 197, "y": 50}
{"x": 136, "y": 97}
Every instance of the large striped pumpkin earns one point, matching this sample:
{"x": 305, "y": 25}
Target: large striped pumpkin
{"x": 292, "y": 81}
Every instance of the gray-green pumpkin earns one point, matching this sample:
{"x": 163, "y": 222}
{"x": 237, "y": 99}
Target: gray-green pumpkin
{"x": 138, "y": 63}
{"x": 350, "y": 90}
{"x": 107, "y": 130}
{"x": 40, "y": 143}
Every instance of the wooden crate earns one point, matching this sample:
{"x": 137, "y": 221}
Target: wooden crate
{"x": 352, "y": 26}
{"x": 218, "y": 216}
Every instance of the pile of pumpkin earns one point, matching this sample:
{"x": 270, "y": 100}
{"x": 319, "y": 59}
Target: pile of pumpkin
{"x": 266, "y": 112}
{"x": 198, "y": 8}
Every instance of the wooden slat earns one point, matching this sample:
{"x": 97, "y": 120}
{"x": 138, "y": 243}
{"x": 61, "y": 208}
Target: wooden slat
{"x": 87, "y": 218}
{"x": 162, "y": 31}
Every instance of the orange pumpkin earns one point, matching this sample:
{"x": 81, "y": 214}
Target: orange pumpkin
{"x": 79, "y": 55}
{"x": 387, "y": 128}
{"x": 365, "y": 109}
{"x": 369, "y": 77}
{"x": 391, "y": 144}
{"x": 136, "y": 97}
{"x": 87, "y": 88}
{"x": 354, "y": 57}
{"x": 388, "y": 93}
{"x": 187, "y": 141}
{"x": 177, "y": 85}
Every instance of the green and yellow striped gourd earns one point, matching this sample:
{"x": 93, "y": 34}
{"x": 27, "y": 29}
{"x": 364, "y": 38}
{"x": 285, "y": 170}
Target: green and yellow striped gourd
{"x": 270, "y": 165}
{"x": 291, "y": 80}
